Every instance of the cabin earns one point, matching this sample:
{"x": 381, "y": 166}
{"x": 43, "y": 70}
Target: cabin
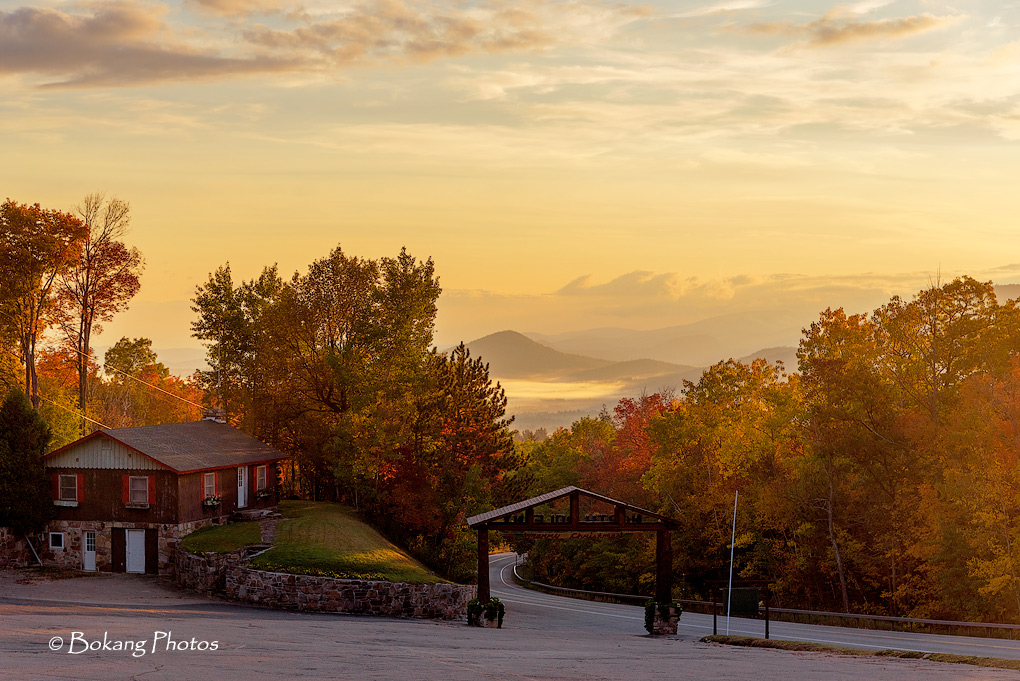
{"x": 125, "y": 496}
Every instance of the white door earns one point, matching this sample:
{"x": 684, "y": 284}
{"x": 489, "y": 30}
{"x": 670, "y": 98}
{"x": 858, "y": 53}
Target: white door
{"x": 242, "y": 486}
{"x": 88, "y": 548}
{"x": 135, "y": 550}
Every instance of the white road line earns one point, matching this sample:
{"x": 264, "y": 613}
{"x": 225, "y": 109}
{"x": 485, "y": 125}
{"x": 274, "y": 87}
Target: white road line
{"x": 542, "y": 604}
{"x": 892, "y": 640}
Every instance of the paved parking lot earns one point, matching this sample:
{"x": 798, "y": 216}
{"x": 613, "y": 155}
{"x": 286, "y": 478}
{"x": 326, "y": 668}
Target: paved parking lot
{"x": 153, "y": 632}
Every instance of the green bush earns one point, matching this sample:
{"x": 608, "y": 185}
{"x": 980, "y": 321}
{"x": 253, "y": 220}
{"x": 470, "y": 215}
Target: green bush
{"x": 664, "y": 607}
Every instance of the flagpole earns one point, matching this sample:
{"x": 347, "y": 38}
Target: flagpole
{"x": 733, "y": 541}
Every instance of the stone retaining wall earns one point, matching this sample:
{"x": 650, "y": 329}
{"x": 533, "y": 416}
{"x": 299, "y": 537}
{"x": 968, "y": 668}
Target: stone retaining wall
{"x": 226, "y": 574}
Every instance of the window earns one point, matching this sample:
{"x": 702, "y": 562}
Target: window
{"x": 260, "y": 478}
{"x": 56, "y": 540}
{"x": 105, "y": 445}
{"x": 139, "y": 490}
{"x": 209, "y": 484}
{"x": 69, "y": 488}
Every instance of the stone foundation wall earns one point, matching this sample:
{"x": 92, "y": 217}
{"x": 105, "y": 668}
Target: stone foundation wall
{"x": 225, "y": 574}
{"x": 14, "y": 551}
{"x": 168, "y": 536}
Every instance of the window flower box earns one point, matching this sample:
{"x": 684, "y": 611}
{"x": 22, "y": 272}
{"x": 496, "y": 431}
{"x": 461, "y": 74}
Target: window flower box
{"x": 211, "y": 502}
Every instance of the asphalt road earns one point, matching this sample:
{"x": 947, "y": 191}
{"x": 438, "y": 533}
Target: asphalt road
{"x": 543, "y": 639}
{"x": 623, "y": 619}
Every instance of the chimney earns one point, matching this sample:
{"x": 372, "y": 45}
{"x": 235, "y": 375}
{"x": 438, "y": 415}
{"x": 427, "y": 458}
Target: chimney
{"x": 216, "y": 414}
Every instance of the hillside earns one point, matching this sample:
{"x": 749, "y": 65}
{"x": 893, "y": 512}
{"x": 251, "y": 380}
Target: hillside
{"x": 548, "y": 388}
{"x": 700, "y": 343}
{"x": 514, "y": 355}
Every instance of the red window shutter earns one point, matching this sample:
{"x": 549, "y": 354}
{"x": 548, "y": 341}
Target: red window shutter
{"x": 126, "y": 479}
{"x": 152, "y": 490}
{"x": 216, "y": 483}
{"x": 80, "y": 489}
{"x": 56, "y": 486}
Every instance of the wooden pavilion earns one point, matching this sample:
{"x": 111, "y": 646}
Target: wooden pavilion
{"x": 520, "y": 519}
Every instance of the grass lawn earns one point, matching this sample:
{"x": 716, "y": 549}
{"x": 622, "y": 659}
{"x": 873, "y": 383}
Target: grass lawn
{"x": 329, "y": 539}
{"x": 222, "y": 538}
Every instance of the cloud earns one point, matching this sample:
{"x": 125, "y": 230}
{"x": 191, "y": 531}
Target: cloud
{"x": 401, "y": 30}
{"x": 841, "y": 25}
{"x": 230, "y": 8}
{"x": 655, "y": 300}
{"x": 723, "y": 7}
{"x": 128, "y": 42}
{"x": 118, "y": 43}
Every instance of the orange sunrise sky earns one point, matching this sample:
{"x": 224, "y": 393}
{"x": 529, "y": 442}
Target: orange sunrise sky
{"x": 566, "y": 165}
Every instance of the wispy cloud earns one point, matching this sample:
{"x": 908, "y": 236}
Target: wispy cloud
{"x": 128, "y": 42}
{"x": 649, "y": 300}
{"x": 841, "y": 25}
{"x": 237, "y": 7}
{"x": 402, "y": 30}
{"x": 724, "y": 7}
{"x": 113, "y": 43}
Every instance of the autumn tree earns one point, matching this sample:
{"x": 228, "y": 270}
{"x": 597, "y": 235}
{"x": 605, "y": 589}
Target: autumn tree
{"x": 459, "y": 459}
{"x": 336, "y": 366}
{"x": 100, "y": 283}
{"x": 37, "y": 247}
{"x": 138, "y": 390}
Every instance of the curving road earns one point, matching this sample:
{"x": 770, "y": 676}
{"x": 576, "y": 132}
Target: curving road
{"x": 533, "y": 609}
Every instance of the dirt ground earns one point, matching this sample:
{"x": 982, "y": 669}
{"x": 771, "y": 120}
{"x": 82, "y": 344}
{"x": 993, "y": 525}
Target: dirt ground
{"x": 140, "y": 628}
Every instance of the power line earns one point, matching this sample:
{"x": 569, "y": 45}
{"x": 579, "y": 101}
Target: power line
{"x": 133, "y": 378}
{"x": 154, "y": 387}
{"x": 76, "y": 413}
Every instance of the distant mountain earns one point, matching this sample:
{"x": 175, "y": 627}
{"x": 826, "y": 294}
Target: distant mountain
{"x": 786, "y": 355}
{"x": 514, "y": 355}
{"x": 632, "y": 370}
{"x": 701, "y": 343}
{"x": 547, "y": 388}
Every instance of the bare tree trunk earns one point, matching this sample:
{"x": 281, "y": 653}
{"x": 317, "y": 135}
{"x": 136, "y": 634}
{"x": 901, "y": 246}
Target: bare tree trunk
{"x": 835, "y": 551}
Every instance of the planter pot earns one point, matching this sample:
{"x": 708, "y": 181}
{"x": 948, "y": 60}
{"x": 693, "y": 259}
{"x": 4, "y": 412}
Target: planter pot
{"x": 666, "y": 626}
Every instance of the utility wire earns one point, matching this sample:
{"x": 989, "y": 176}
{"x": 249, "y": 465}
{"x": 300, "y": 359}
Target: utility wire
{"x": 60, "y": 406}
{"x": 75, "y": 412}
{"x": 133, "y": 378}
{"x": 154, "y": 387}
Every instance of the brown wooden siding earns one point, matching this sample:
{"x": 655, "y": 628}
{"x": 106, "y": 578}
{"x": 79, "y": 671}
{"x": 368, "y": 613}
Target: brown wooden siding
{"x": 191, "y": 493}
{"x": 101, "y": 496}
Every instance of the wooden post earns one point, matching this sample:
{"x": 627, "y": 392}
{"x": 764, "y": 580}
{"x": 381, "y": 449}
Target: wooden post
{"x": 483, "y": 564}
{"x": 663, "y": 567}
{"x": 575, "y": 509}
{"x": 766, "y": 590}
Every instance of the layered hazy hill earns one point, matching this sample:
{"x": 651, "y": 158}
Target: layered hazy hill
{"x": 548, "y": 388}
{"x": 701, "y": 343}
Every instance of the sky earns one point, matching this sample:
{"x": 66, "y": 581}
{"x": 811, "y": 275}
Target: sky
{"x": 566, "y": 165}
